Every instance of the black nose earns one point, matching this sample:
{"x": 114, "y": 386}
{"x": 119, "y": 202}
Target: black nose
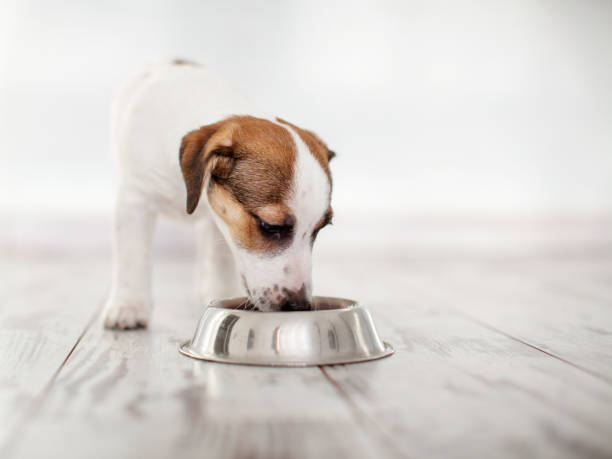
{"x": 295, "y": 300}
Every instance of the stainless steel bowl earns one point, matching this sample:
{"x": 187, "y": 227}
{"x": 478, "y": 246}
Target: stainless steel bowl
{"x": 336, "y": 331}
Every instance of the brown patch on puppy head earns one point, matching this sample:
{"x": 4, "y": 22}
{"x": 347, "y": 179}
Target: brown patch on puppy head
{"x": 238, "y": 221}
{"x": 275, "y": 214}
{"x": 251, "y": 156}
{"x": 249, "y": 165}
{"x": 243, "y": 225}
{"x": 317, "y": 147}
{"x": 265, "y": 157}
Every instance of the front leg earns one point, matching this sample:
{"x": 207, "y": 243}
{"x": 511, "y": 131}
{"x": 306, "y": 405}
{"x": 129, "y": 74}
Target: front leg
{"x": 129, "y": 302}
{"x": 217, "y": 276}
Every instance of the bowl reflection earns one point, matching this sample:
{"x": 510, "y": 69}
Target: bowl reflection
{"x": 336, "y": 331}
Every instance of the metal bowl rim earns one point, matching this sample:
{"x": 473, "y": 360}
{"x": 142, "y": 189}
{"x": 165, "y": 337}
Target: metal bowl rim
{"x": 222, "y": 305}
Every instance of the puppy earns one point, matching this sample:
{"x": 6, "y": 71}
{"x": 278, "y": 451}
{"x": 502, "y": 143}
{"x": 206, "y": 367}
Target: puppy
{"x": 258, "y": 190}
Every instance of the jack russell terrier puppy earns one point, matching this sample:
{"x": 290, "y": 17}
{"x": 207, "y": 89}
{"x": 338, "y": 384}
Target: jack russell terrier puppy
{"x": 258, "y": 190}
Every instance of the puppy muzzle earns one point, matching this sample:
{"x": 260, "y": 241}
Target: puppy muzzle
{"x": 295, "y": 300}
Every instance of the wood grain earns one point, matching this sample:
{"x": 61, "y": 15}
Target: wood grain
{"x": 131, "y": 393}
{"x": 561, "y": 306}
{"x": 467, "y": 380}
{"x": 41, "y": 318}
{"x": 457, "y": 387}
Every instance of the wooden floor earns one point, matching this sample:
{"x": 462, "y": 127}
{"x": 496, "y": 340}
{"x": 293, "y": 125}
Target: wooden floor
{"x": 495, "y": 358}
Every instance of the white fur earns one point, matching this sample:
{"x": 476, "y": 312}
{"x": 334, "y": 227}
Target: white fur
{"x": 150, "y": 118}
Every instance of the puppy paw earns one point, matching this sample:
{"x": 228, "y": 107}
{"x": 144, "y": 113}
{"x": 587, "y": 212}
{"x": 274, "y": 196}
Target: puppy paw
{"x": 120, "y": 316}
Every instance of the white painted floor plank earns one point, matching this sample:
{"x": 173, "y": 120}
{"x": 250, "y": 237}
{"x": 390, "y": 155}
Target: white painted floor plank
{"x": 126, "y": 394}
{"x": 41, "y": 318}
{"x": 455, "y": 388}
{"x": 563, "y": 307}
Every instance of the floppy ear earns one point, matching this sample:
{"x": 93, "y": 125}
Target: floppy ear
{"x": 205, "y": 150}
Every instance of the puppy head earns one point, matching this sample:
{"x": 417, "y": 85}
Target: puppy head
{"x": 269, "y": 187}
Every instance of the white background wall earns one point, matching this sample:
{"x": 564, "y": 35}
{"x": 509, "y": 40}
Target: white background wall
{"x": 435, "y": 108}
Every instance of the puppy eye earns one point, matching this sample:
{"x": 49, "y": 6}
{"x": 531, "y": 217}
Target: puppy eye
{"x": 273, "y": 232}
